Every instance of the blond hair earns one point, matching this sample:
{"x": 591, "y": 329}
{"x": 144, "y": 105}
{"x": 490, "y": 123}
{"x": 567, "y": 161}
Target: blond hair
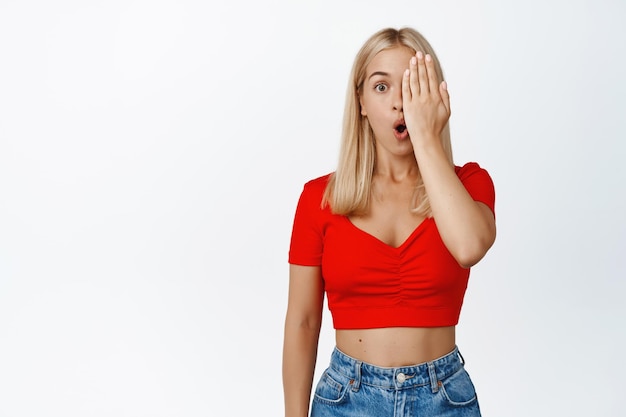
{"x": 349, "y": 188}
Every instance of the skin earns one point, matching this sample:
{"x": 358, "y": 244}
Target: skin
{"x": 398, "y": 85}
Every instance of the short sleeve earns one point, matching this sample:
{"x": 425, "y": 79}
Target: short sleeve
{"x": 478, "y": 183}
{"x": 306, "y": 245}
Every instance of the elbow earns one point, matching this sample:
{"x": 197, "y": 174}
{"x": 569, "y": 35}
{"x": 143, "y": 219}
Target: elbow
{"x": 469, "y": 259}
{"x": 308, "y": 322}
{"x": 470, "y": 253}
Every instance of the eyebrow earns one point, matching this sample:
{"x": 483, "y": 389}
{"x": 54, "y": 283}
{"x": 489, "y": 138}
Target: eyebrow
{"x": 384, "y": 74}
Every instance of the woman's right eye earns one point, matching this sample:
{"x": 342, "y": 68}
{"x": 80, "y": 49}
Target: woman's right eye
{"x": 381, "y": 88}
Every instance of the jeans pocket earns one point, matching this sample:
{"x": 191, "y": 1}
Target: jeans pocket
{"x": 458, "y": 389}
{"x": 330, "y": 389}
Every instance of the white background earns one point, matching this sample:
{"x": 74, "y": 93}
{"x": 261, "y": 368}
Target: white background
{"x": 151, "y": 157}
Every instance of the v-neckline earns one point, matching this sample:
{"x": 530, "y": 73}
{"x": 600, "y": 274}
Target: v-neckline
{"x": 406, "y": 241}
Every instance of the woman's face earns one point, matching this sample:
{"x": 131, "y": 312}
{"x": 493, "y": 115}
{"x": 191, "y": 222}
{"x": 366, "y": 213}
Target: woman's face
{"x": 381, "y": 100}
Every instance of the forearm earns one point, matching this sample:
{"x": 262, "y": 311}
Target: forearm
{"x": 299, "y": 357}
{"x": 466, "y": 226}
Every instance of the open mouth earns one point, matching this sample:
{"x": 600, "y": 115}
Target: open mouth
{"x": 400, "y": 129}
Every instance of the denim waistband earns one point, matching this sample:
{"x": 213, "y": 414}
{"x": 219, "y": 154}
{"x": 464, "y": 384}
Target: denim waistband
{"x": 427, "y": 373}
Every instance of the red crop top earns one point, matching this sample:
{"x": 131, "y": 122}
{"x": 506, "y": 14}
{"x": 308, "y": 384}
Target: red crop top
{"x": 370, "y": 284}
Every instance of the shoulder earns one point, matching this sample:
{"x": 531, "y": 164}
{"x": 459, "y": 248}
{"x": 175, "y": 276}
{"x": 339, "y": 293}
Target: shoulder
{"x": 477, "y": 182}
{"x": 470, "y": 169}
{"x": 312, "y": 194}
{"x": 317, "y": 186}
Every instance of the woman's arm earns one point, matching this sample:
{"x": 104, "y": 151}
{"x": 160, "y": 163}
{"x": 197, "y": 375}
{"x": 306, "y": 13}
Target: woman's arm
{"x": 467, "y": 227}
{"x": 302, "y": 327}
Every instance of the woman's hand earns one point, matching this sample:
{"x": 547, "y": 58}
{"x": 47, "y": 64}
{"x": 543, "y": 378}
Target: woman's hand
{"x": 425, "y": 101}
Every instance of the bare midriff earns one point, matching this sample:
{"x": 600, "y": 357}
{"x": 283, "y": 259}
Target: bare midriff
{"x": 396, "y": 346}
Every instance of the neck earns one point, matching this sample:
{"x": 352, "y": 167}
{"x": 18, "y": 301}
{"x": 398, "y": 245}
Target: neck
{"x": 396, "y": 169}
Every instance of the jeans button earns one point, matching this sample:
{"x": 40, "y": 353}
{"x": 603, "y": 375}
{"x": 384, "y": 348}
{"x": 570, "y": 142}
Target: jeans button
{"x": 401, "y": 377}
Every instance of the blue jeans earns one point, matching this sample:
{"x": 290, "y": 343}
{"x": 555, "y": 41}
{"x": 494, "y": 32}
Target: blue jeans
{"x": 351, "y": 388}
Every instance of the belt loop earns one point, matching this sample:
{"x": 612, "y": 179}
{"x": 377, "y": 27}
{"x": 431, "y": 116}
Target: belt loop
{"x": 461, "y": 356}
{"x": 356, "y": 382}
{"x": 432, "y": 373}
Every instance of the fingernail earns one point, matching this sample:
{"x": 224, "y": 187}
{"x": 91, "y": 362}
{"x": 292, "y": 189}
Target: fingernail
{"x": 420, "y": 55}
{"x": 444, "y": 85}
{"x": 428, "y": 58}
{"x": 406, "y": 72}
{"x": 413, "y": 61}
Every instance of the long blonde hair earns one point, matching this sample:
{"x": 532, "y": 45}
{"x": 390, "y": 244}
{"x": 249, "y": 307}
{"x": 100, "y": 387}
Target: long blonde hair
{"x": 349, "y": 188}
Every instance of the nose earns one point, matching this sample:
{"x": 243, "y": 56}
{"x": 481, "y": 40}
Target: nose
{"x": 397, "y": 101}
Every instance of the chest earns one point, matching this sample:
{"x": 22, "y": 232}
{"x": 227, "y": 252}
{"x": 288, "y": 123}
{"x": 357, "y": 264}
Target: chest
{"x": 392, "y": 224}
{"x": 354, "y": 260}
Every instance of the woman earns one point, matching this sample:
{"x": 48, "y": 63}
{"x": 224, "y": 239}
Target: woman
{"x": 389, "y": 237}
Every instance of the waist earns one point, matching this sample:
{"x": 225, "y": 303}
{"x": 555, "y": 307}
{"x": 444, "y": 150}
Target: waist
{"x": 396, "y": 346}
{"x": 396, "y": 377}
